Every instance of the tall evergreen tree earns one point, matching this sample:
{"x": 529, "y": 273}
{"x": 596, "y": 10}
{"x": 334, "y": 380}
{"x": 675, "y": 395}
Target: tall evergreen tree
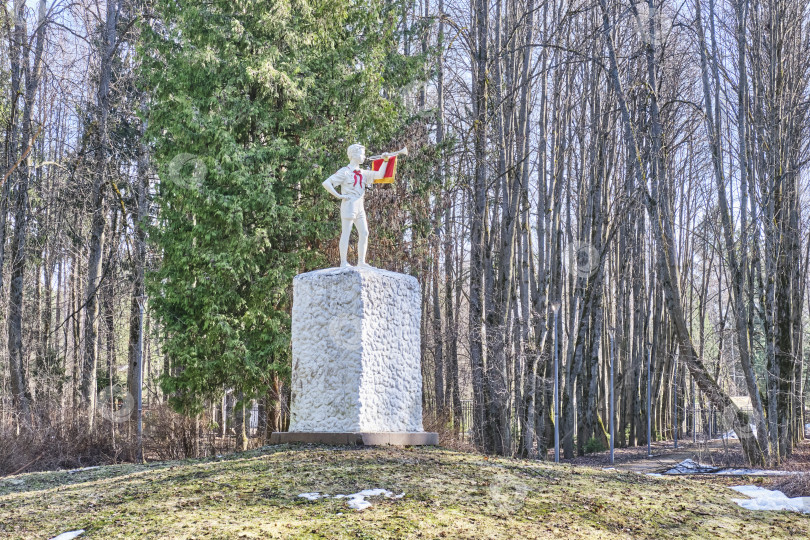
{"x": 253, "y": 104}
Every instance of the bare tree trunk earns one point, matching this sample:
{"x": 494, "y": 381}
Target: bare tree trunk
{"x": 19, "y": 384}
{"x": 240, "y": 415}
{"x": 527, "y": 404}
{"x": 449, "y": 337}
{"x": 97, "y": 223}
{"x": 478, "y": 214}
{"x": 139, "y": 212}
{"x": 436, "y": 319}
{"x": 17, "y": 37}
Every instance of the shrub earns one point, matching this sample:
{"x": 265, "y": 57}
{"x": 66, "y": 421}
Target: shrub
{"x": 594, "y": 445}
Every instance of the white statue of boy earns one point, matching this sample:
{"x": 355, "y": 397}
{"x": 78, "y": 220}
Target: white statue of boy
{"x": 353, "y": 182}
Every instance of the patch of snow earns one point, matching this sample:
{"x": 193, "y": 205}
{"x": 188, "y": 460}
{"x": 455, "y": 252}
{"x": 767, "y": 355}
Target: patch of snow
{"x": 752, "y": 472}
{"x": 358, "y": 504}
{"x": 656, "y": 475}
{"x": 608, "y": 468}
{"x": 74, "y": 471}
{"x": 766, "y": 499}
{"x": 751, "y": 491}
{"x": 314, "y": 496}
{"x": 69, "y": 535}
{"x": 688, "y": 466}
{"x": 357, "y": 501}
{"x": 732, "y": 435}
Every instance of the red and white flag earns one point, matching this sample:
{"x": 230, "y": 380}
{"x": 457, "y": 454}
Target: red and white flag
{"x": 390, "y": 170}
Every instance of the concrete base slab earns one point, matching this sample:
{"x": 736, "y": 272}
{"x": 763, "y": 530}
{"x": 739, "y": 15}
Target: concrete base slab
{"x": 357, "y": 439}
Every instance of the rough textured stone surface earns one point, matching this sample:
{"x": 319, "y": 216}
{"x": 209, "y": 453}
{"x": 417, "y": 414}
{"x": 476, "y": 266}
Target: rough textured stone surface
{"x": 356, "y": 352}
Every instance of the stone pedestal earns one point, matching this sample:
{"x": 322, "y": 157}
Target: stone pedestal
{"x": 356, "y": 373}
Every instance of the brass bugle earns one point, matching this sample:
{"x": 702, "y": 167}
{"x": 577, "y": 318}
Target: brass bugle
{"x": 401, "y": 152}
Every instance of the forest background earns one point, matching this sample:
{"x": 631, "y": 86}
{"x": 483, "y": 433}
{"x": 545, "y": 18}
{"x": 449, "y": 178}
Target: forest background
{"x": 622, "y": 185}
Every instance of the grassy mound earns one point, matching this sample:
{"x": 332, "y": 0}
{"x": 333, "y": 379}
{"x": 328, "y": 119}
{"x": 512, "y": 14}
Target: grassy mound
{"x": 447, "y": 495}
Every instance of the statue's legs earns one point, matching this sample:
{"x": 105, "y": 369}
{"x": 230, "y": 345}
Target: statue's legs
{"x": 344, "y": 240}
{"x": 362, "y": 241}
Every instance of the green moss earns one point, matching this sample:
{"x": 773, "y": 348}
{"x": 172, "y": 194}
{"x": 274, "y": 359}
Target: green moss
{"x": 448, "y": 495}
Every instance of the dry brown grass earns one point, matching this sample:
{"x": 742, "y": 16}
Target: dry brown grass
{"x": 449, "y": 435}
{"x": 797, "y": 485}
{"x": 45, "y": 444}
{"x": 48, "y": 441}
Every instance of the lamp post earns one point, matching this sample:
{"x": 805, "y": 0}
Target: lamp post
{"x": 556, "y": 307}
{"x": 694, "y": 409}
{"x": 649, "y": 400}
{"x": 139, "y": 397}
{"x": 675, "y": 401}
{"x": 612, "y": 412}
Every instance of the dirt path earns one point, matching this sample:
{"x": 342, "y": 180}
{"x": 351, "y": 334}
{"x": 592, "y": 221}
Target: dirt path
{"x": 665, "y": 456}
{"x": 658, "y": 463}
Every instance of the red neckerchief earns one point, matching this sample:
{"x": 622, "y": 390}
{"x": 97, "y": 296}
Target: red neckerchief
{"x": 358, "y": 177}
